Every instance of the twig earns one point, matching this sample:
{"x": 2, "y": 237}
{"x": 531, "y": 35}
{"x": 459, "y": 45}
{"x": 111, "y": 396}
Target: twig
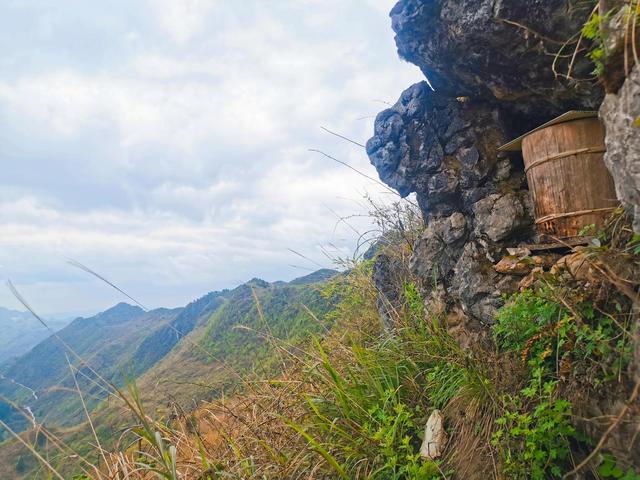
{"x": 605, "y": 436}
{"x": 342, "y": 137}
{"x": 575, "y": 54}
{"x": 97, "y": 275}
{"x": 354, "y": 169}
{"x": 530, "y": 30}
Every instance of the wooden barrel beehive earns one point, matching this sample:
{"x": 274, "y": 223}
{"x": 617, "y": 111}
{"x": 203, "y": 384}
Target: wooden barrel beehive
{"x": 569, "y": 182}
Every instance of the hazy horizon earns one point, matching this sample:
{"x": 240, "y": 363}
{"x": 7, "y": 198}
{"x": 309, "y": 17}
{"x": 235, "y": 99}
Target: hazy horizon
{"x": 165, "y": 144}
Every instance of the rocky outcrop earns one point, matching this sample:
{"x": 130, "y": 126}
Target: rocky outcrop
{"x": 445, "y": 150}
{"x": 492, "y": 80}
{"x": 490, "y": 65}
{"x": 620, "y": 113}
{"x": 441, "y": 148}
{"x": 438, "y": 249}
{"x": 499, "y": 50}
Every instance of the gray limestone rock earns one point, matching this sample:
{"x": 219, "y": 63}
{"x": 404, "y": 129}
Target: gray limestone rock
{"x": 500, "y": 216}
{"x": 476, "y": 284}
{"x": 621, "y": 113}
{"x": 436, "y": 146}
{"x": 437, "y": 250}
{"x": 496, "y": 49}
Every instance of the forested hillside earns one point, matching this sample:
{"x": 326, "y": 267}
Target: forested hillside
{"x": 186, "y": 354}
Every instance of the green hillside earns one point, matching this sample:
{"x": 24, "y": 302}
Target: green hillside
{"x": 236, "y": 341}
{"x": 41, "y": 379}
{"x": 183, "y": 355}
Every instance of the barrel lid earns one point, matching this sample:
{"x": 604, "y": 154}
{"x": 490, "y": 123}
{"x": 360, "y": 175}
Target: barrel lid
{"x": 516, "y": 145}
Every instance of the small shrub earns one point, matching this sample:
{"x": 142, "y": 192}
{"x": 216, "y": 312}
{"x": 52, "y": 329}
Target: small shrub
{"x": 563, "y": 337}
{"x": 534, "y": 430}
{"x": 558, "y": 329}
{"x": 534, "y": 443}
{"x": 524, "y": 316}
{"x": 609, "y": 469}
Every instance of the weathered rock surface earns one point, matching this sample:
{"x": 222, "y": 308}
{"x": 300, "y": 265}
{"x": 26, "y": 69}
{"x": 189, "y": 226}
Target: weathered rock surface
{"x": 387, "y": 276}
{"x": 515, "y": 265}
{"x": 499, "y": 216}
{"x": 500, "y": 50}
{"x": 620, "y": 113}
{"x": 435, "y": 437}
{"x": 430, "y": 144}
{"x": 437, "y": 250}
{"x": 476, "y": 285}
{"x": 493, "y": 81}
{"x": 445, "y": 151}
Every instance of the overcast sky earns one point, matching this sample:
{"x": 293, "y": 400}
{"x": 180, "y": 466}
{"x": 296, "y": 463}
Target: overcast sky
{"x": 164, "y": 143}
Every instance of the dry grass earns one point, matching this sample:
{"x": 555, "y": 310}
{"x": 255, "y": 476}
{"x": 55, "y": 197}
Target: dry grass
{"x": 609, "y": 38}
{"x": 343, "y": 404}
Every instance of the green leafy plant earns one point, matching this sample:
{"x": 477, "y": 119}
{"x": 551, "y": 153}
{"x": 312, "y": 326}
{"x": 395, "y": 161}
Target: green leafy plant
{"x": 359, "y": 417}
{"x": 609, "y": 469}
{"x": 534, "y": 443}
{"x": 592, "y": 30}
{"x": 534, "y": 430}
{"x": 552, "y": 328}
{"x": 524, "y": 316}
{"x": 370, "y": 400}
{"x": 555, "y": 330}
{"x": 634, "y": 244}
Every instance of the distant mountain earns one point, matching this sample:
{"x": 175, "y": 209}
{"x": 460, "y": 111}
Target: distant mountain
{"x": 41, "y": 379}
{"x": 236, "y": 340}
{"x": 20, "y": 331}
{"x": 184, "y": 354}
{"x": 321, "y": 275}
{"x": 158, "y": 343}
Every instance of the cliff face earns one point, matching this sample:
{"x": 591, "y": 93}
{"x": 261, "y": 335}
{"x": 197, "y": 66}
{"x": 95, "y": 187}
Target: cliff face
{"x": 620, "y": 113}
{"x": 491, "y": 65}
{"x": 445, "y": 150}
{"x": 501, "y": 51}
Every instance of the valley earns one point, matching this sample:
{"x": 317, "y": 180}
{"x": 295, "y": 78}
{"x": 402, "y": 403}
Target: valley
{"x": 175, "y": 356}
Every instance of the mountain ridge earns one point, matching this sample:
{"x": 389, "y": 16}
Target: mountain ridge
{"x": 125, "y": 340}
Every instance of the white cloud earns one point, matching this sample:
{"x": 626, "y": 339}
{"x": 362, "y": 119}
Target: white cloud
{"x": 182, "y": 19}
{"x": 179, "y": 163}
{"x": 144, "y": 111}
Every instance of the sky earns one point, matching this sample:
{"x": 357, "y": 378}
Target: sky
{"x": 165, "y": 143}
